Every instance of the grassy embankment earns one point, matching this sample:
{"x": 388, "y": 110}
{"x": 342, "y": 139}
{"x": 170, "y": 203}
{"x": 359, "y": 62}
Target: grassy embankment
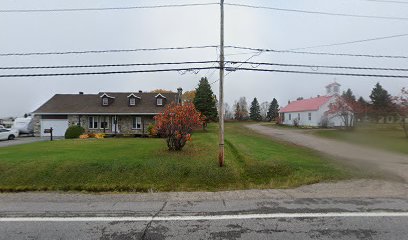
{"x": 252, "y": 161}
{"x": 382, "y": 136}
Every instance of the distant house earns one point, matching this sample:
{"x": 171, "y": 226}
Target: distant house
{"x": 7, "y": 122}
{"x": 109, "y": 112}
{"x": 313, "y": 111}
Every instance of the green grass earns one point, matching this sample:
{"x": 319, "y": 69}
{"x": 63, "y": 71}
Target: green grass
{"x": 391, "y": 138}
{"x": 252, "y": 161}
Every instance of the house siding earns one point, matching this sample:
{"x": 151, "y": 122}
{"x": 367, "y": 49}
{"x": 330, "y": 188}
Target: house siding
{"x": 317, "y": 117}
{"x": 124, "y": 124}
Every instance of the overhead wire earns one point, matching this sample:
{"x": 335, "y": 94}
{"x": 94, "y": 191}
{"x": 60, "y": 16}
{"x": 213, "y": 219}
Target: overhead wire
{"x": 317, "y": 12}
{"x": 106, "y": 8}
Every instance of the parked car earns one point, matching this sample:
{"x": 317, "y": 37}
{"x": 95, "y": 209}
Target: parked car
{"x": 8, "y": 134}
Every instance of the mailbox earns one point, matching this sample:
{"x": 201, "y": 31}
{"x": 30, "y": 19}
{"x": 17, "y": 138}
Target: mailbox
{"x": 48, "y": 130}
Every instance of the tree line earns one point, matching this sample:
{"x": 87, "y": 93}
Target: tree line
{"x": 380, "y": 106}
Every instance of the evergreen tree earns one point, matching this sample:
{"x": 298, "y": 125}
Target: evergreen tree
{"x": 273, "y": 111}
{"x": 255, "y": 111}
{"x": 238, "y": 115}
{"x": 381, "y": 100}
{"x": 363, "y": 105}
{"x": 205, "y": 101}
{"x": 243, "y": 108}
{"x": 349, "y": 96}
{"x": 362, "y": 101}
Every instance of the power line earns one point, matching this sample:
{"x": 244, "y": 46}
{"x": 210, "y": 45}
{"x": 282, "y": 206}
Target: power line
{"x": 107, "y": 51}
{"x": 197, "y": 69}
{"x": 320, "y": 53}
{"x": 386, "y": 1}
{"x": 352, "y": 42}
{"x": 317, "y": 66}
{"x": 104, "y": 8}
{"x": 318, "y": 12}
{"x": 193, "y": 69}
{"x": 319, "y": 73}
{"x": 105, "y": 65}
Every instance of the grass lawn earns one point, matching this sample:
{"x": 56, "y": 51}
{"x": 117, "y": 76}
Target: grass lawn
{"x": 252, "y": 161}
{"x": 390, "y": 138}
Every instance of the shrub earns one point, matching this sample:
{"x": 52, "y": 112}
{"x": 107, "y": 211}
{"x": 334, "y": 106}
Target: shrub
{"x": 151, "y": 130}
{"x": 176, "y": 123}
{"x": 74, "y": 132}
{"x": 296, "y": 122}
{"x": 279, "y": 120}
{"x": 100, "y": 135}
{"x": 84, "y": 136}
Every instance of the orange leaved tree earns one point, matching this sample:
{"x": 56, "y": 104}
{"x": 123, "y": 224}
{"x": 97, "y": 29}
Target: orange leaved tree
{"x": 176, "y": 123}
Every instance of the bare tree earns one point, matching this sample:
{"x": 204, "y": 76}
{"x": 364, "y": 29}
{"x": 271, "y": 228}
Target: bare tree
{"x": 264, "y": 109}
{"x": 229, "y": 115}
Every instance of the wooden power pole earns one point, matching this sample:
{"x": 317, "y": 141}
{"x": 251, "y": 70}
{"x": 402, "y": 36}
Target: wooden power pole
{"x": 221, "y": 97}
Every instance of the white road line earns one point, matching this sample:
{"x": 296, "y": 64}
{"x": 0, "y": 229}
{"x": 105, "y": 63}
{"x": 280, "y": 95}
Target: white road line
{"x": 203, "y": 218}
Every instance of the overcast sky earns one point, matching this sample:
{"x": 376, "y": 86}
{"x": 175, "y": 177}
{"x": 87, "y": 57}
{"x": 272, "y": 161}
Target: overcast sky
{"x": 194, "y": 26}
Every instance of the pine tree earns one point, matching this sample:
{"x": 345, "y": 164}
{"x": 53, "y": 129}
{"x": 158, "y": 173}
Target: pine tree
{"x": 349, "y": 96}
{"x": 237, "y": 115}
{"x": 273, "y": 111}
{"x": 205, "y": 101}
{"x": 255, "y": 111}
{"x": 362, "y": 101}
{"x": 381, "y": 100}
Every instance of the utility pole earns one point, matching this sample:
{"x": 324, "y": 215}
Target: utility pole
{"x": 221, "y": 100}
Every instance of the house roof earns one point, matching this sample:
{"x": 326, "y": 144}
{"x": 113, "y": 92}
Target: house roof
{"x": 311, "y": 104}
{"x": 91, "y": 104}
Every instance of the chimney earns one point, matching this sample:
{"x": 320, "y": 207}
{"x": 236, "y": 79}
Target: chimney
{"x": 140, "y": 91}
{"x": 288, "y": 101}
{"x": 179, "y": 95}
{"x": 318, "y": 95}
{"x": 81, "y": 93}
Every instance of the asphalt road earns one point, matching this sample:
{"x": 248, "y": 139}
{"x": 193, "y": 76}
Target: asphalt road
{"x": 255, "y": 214}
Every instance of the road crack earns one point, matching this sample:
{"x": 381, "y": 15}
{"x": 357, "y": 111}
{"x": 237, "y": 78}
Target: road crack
{"x": 151, "y": 221}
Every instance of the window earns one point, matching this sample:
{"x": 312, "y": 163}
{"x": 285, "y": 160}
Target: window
{"x": 105, "y": 101}
{"x": 310, "y": 116}
{"x": 132, "y": 101}
{"x": 290, "y": 116}
{"x": 93, "y": 122}
{"x": 104, "y": 122}
{"x": 159, "y": 101}
{"x": 137, "y": 123}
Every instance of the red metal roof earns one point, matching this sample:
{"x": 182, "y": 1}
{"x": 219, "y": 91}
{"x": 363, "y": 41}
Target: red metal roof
{"x": 311, "y": 104}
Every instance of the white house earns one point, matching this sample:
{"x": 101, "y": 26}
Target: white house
{"x": 313, "y": 111}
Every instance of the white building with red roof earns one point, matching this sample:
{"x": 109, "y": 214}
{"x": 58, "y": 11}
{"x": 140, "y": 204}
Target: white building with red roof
{"x": 313, "y": 111}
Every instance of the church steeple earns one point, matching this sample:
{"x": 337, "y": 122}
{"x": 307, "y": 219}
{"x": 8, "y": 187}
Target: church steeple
{"x": 333, "y": 89}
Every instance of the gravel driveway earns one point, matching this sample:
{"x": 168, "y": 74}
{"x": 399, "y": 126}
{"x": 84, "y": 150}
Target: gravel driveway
{"x": 393, "y": 164}
{"x": 22, "y": 140}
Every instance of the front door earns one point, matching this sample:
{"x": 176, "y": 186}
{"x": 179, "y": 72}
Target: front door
{"x": 115, "y": 124}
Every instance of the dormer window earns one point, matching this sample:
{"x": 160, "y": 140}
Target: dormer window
{"x": 159, "y": 101}
{"x": 132, "y": 101}
{"x": 106, "y": 99}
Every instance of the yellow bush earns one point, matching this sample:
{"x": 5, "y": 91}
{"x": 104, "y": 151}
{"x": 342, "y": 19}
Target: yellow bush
{"x": 83, "y": 136}
{"x": 99, "y": 135}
